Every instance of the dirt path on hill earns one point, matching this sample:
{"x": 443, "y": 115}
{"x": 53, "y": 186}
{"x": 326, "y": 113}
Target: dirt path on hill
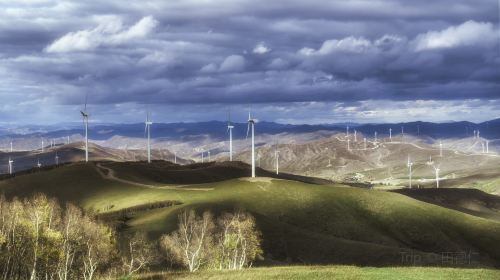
{"x": 109, "y": 174}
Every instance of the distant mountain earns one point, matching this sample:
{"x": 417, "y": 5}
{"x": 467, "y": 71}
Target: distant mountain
{"x": 218, "y": 130}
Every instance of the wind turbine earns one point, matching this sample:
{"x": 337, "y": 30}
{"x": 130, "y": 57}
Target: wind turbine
{"x": 42, "y": 145}
{"x": 85, "y": 117}
{"x": 57, "y": 159}
{"x": 437, "y": 175}
{"x": 347, "y": 132}
{"x": 251, "y": 123}
{"x": 11, "y": 148}
{"x": 147, "y": 129}
{"x": 403, "y": 134}
{"x": 38, "y": 164}
{"x": 175, "y": 157}
{"x": 375, "y": 137}
{"x": 230, "y": 130}
{"x": 487, "y": 146}
{"x": 409, "y": 164}
{"x": 441, "y": 148}
{"x": 390, "y": 134}
{"x": 355, "y": 136}
{"x": 277, "y": 159}
{"x": 11, "y": 169}
{"x": 67, "y": 140}
{"x": 348, "y": 142}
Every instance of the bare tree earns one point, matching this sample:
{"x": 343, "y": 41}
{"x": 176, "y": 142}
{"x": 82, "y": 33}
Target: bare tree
{"x": 192, "y": 243}
{"x": 141, "y": 253}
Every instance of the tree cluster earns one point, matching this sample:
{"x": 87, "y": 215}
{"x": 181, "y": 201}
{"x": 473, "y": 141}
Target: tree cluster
{"x": 231, "y": 241}
{"x": 41, "y": 240}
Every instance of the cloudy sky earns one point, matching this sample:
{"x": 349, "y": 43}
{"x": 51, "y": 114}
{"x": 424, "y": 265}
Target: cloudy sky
{"x": 291, "y": 61}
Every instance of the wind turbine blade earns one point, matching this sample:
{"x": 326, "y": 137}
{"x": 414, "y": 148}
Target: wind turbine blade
{"x": 86, "y": 98}
{"x": 248, "y": 129}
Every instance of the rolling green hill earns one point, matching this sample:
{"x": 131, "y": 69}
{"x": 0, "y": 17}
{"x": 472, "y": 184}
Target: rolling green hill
{"x": 300, "y": 222}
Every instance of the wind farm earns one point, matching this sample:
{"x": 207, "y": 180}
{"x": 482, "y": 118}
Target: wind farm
{"x": 249, "y": 140}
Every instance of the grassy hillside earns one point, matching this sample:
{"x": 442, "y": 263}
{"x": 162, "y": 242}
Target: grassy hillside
{"x": 335, "y": 272}
{"x": 302, "y": 223}
{"x": 471, "y": 201}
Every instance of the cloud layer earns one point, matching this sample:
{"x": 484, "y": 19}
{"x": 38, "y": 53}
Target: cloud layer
{"x": 202, "y": 53}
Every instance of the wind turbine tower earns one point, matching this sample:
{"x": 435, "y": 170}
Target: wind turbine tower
{"x": 390, "y": 134}
{"x": 175, "y": 157}
{"x": 57, "y": 159}
{"x": 11, "y": 148}
{"x": 147, "y": 129}
{"x": 42, "y": 145}
{"x": 11, "y": 169}
{"x": 487, "y": 146}
{"x": 85, "y": 117}
{"x": 277, "y": 158}
{"x": 230, "y": 130}
{"x": 251, "y": 126}
{"x": 409, "y": 164}
{"x": 355, "y": 136}
{"x": 348, "y": 142}
{"x": 437, "y": 176}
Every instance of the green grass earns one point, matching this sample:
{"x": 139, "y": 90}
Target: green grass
{"x": 335, "y": 272}
{"x": 301, "y": 223}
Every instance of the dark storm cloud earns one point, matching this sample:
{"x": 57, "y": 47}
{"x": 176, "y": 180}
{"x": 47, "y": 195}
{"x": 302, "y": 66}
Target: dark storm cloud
{"x": 240, "y": 52}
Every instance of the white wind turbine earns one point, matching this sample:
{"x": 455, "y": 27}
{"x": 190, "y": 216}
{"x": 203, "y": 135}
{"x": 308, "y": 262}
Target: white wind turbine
{"x": 355, "y": 136}
{"x": 376, "y": 140}
{"x": 440, "y": 148}
{"x": 348, "y": 144}
{"x": 42, "y": 145}
{"x": 85, "y": 117}
{"x": 38, "y": 164}
{"x": 347, "y": 131}
{"x": 11, "y": 167}
{"x": 175, "y": 157}
{"x": 147, "y": 130}
{"x": 11, "y": 147}
{"x": 277, "y": 159}
{"x": 390, "y": 134}
{"x": 251, "y": 126}
{"x": 437, "y": 175}
{"x": 402, "y": 134}
{"x": 57, "y": 159}
{"x": 487, "y": 146}
{"x": 409, "y": 164}
{"x": 230, "y": 130}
